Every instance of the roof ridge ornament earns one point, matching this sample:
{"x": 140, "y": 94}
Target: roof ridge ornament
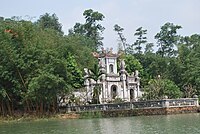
{"x": 105, "y": 53}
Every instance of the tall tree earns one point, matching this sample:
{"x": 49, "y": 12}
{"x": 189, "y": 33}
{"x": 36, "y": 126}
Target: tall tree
{"x": 119, "y": 31}
{"x": 141, "y": 39}
{"x": 50, "y": 21}
{"x": 167, "y": 38}
{"x": 90, "y": 28}
{"x": 149, "y": 48}
{"x": 188, "y": 57}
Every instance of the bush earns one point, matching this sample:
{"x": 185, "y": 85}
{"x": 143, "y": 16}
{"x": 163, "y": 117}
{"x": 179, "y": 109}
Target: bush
{"x": 159, "y": 88}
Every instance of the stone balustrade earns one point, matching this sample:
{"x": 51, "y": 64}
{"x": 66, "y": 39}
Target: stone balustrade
{"x": 165, "y": 103}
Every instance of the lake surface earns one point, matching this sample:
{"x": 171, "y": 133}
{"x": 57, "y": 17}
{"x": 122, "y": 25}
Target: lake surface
{"x": 161, "y": 124}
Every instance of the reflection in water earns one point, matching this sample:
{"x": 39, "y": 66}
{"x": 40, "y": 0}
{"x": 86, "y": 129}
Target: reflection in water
{"x": 118, "y": 125}
{"x": 170, "y": 124}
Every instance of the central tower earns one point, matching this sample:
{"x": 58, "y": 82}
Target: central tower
{"x": 114, "y": 84}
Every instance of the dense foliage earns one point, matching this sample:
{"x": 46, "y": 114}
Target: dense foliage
{"x": 161, "y": 88}
{"x": 38, "y": 63}
{"x": 176, "y": 61}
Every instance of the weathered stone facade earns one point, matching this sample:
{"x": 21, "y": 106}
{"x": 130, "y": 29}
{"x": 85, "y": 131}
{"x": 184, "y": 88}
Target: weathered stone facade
{"x": 114, "y": 84}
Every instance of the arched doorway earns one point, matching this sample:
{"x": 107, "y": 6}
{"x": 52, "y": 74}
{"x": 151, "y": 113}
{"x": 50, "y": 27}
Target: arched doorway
{"x": 131, "y": 94}
{"x": 113, "y": 91}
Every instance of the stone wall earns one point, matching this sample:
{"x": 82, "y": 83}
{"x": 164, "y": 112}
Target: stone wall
{"x": 165, "y": 103}
{"x": 137, "y": 108}
{"x": 143, "y": 111}
{"x": 178, "y": 110}
{"x": 134, "y": 112}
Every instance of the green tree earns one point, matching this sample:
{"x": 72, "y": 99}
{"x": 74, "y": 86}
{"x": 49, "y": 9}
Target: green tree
{"x": 95, "y": 74}
{"x": 119, "y": 31}
{"x": 132, "y": 64}
{"x": 43, "y": 90}
{"x": 159, "y": 88}
{"x": 83, "y": 54}
{"x": 141, "y": 39}
{"x": 167, "y": 38}
{"x": 12, "y": 83}
{"x": 50, "y": 21}
{"x": 35, "y": 68}
{"x": 188, "y": 58}
{"x": 149, "y": 48}
{"x": 76, "y": 80}
{"x": 90, "y": 28}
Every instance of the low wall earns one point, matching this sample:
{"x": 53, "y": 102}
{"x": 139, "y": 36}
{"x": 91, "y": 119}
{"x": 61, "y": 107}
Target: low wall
{"x": 134, "y": 112}
{"x": 165, "y": 103}
{"x": 158, "y": 107}
{"x": 139, "y": 112}
{"x": 179, "y": 110}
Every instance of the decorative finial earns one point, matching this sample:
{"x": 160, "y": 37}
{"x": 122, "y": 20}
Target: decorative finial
{"x": 111, "y": 50}
{"x": 102, "y": 50}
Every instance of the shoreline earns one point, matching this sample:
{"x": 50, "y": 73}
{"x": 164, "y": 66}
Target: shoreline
{"x": 103, "y": 114}
{"x": 31, "y": 117}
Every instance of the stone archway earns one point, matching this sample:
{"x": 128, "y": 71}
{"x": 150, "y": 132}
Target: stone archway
{"x": 113, "y": 91}
{"x": 131, "y": 94}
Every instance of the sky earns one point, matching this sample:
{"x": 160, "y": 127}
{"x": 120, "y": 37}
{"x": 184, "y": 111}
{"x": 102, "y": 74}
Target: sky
{"x": 129, "y": 14}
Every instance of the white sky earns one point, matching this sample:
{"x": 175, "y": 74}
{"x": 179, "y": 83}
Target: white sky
{"x": 129, "y": 14}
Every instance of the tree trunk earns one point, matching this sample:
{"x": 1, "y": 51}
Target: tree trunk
{"x": 41, "y": 108}
{"x": 28, "y": 106}
{"x": 9, "y": 108}
{"x": 2, "y": 108}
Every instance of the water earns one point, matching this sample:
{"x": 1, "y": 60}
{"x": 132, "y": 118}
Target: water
{"x": 170, "y": 124}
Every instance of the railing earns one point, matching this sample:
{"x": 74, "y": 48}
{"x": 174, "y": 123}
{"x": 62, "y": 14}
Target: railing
{"x": 182, "y": 102}
{"x": 147, "y": 104}
{"x": 132, "y": 105}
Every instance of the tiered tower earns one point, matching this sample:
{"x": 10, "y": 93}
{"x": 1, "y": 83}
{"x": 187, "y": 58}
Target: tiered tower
{"x": 114, "y": 84}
